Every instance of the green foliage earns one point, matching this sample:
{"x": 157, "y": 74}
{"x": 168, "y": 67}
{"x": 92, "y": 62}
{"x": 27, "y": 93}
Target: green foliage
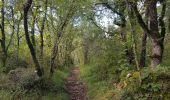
{"x": 25, "y": 84}
{"x": 148, "y": 84}
{"x": 97, "y": 89}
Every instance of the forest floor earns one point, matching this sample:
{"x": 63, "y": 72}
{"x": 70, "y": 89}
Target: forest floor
{"x": 77, "y": 90}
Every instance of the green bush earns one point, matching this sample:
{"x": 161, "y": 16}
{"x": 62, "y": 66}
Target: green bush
{"x": 147, "y": 84}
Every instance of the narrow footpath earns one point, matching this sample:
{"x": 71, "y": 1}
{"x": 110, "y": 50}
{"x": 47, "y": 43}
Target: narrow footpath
{"x": 77, "y": 90}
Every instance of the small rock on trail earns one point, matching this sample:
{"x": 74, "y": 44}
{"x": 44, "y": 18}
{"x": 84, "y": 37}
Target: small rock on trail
{"x": 76, "y": 89}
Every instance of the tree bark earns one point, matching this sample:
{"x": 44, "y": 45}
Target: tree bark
{"x": 155, "y": 36}
{"x": 153, "y": 32}
{"x": 3, "y": 43}
{"x": 142, "y": 62}
{"x": 30, "y": 45}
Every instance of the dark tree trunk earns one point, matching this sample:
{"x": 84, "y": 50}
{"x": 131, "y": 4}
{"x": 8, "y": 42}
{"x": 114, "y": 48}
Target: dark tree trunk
{"x": 143, "y": 51}
{"x": 142, "y": 62}
{"x": 33, "y": 33}
{"x": 30, "y": 45}
{"x": 54, "y": 54}
{"x": 163, "y": 29}
{"x": 3, "y": 43}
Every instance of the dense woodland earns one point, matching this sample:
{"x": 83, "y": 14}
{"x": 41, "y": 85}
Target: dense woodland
{"x": 107, "y": 49}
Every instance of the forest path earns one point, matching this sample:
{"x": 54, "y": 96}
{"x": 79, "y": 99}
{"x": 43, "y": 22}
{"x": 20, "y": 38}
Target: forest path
{"x": 77, "y": 90}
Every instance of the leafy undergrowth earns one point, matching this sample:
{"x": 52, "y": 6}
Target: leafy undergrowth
{"x": 132, "y": 85}
{"x": 144, "y": 84}
{"x": 29, "y": 87}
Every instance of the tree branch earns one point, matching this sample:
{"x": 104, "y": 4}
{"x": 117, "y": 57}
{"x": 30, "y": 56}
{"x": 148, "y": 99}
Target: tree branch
{"x": 139, "y": 18}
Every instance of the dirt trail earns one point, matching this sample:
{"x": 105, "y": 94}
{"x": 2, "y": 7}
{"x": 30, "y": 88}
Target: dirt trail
{"x": 76, "y": 89}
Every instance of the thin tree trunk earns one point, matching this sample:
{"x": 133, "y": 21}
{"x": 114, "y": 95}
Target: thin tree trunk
{"x": 163, "y": 28}
{"x": 133, "y": 33}
{"x": 54, "y": 54}
{"x": 33, "y": 33}
{"x": 18, "y": 38}
{"x": 30, "y": 45}
{"x": 61, "y": 28}
{"x": 128, "y": 51}
{"x": 13, "y": 29}
{"x": 42, "y": 36}
{"x": 3, "y": 43}
{"x": 142, "y": 62}
{"x": 18, "y": 41}
{"x": 143, "y": 51}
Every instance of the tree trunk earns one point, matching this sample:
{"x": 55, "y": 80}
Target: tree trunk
{"x": 33, "y": 33}
{"x": 42, "y": 36}
{"x": 61, "y": 28}
{"x": 153, "y": 32}
{"x": 30, "y": 45}
{"x": 142, "y": 62}
{"x": 163, "y": 27}
{"x": 128, "y": 51}
{"x": 156, "y": 53}
{"x": 54, "y": 54}
{"x": 143, "y": 51}
{"x": 18, "y": 41}
{"x": 155, "y": 36}
{"x": 3, "y": 43}
{"x": 18, "y": 38}
{"x": 133, "y": 33}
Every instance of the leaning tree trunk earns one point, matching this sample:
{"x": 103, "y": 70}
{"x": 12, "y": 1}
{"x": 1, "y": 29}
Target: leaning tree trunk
{"x": 142, "y": 61}
{"x": 33, "y": 32}
{"x": 61, "y": 29}
{"x": 30, "y": 45}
